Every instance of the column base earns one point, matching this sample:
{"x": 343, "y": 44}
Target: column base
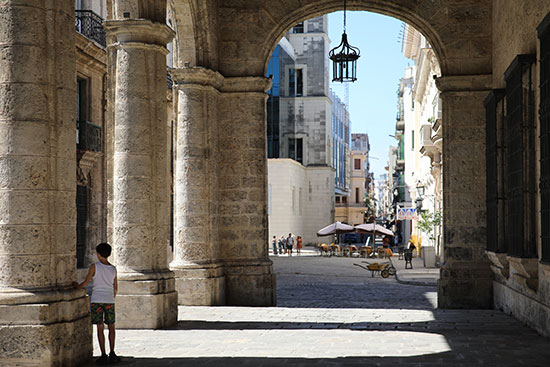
{"x": 200, "y": 284}
{"x": 146, "y": 300}
{"x": 465, "y": 286}
{"x": 45, "y": 328}
{"x": 250, "y": 283}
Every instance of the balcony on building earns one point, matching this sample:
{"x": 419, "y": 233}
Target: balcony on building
{"x": 427, "y": 146}
{"x": 90, "y": 25}
{"x": 89, "y": 137}
{"x": 399, "y": 122}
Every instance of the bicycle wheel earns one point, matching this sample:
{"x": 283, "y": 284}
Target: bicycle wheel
{"x": 385, "y": 273}
{"x": 391, "y": 270}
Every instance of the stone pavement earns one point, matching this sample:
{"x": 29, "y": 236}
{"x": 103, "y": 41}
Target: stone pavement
{"x": 332, "y": 313}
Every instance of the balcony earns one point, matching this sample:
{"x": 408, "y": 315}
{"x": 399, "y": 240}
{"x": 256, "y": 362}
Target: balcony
{"x": 90, "y": 25}
{"x": 399, "y": 122}
{"x": 89, "y": 137}
{"x": 400, "y": 165}
{"x": 427, "y": 146}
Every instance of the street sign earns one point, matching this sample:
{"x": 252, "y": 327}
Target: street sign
{"x": 407, "y": 214}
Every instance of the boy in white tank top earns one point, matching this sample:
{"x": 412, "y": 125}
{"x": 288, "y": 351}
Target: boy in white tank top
{"x": 103, "y": 300}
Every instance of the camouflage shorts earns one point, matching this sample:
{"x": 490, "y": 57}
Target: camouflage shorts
{"x": 103, "y": 312}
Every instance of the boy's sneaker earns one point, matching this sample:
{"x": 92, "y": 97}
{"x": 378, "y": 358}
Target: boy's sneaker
{"x": 113, "y": 358}
{"x": 103, "y": 360}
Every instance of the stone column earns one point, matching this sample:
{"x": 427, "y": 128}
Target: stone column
{"x": 43, "y": 320}
{"x": 242, "y": 182}
{"x": 141, "y": 207}
{"x": 199, "y": 274}
{"x": 466, "y": 277}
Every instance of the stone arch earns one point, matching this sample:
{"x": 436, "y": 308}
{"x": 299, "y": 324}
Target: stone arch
{"x": 195, "y": 33}
{"x": 459, "y": 34}
{"x": 298, "y": 16}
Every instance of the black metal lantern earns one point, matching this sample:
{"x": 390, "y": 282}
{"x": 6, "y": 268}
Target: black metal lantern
{"x": 344, "y": 58}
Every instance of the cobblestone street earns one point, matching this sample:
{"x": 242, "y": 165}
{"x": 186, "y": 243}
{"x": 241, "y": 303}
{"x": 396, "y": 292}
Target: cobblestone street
{"x": 332, "y": 313}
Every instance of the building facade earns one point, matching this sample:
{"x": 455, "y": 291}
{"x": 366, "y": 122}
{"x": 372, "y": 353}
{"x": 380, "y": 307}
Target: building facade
{"x": 351, "y": 207}
{"x": 306, "y": 124}
{"x": 422, "y": 145}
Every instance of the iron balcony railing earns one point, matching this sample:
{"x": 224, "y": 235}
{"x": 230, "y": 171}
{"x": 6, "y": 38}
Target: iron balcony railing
{"x": 90, "y": 25}
{"x": 89, "y": 136}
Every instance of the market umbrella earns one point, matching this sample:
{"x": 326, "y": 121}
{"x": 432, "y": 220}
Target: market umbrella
{"x": 373, "y": 228}
{"x": 335, "y": 228}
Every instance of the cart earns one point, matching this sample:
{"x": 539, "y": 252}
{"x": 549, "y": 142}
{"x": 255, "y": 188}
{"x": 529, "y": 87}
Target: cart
{"x": 385, "y": 269}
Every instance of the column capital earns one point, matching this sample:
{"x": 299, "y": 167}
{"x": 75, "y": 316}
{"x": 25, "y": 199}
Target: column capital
{"x": 196, "y": 76}
{"x": 139, "y": 31}
{"x": 464, "y": 83}
{"x": 246, "y": 84}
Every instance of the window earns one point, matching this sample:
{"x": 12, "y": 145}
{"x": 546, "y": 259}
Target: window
{"x": 544, "y": 116}
{"x": 357, "y": 163}
{"x": 299, "y": 28}
{"x": 344, "y": 199}
{"x": 520, "y": 158}
{"x": 293, "y": 200}
{"x": 338, "y": 200}
{"x": 295, "y": 149}
{"x": 295, "y": 82}
{"x": 357, "y": 201}
{"x": 494, "y": 115}
{"x": 412, "y": 139}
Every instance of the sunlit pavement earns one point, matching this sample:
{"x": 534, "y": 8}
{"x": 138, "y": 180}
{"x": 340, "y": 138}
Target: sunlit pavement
{"x": 332, "y": 313}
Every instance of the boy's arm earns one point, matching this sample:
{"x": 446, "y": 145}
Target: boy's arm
{"x": 115, "y": 285}
{"x": 89, "y": 277}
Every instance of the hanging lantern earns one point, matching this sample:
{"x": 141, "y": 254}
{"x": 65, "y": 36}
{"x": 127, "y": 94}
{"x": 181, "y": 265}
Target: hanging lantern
{"x": 344, "y": 58}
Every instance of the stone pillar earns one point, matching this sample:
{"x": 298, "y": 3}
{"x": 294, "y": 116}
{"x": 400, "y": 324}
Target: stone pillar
{"x": 242, "y": 182}
{"x": 199, "y": 274}
{"x": 466, "y": 277}
{"x": 43, "y": 320}
{"x": 141, "y": 207}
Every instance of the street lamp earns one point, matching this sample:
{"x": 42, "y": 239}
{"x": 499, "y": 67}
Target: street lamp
{"x": 344, "y": 58}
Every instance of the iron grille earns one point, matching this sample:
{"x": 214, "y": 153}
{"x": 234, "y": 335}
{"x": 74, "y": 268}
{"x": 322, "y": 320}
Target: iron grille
{"x": 544, "y": 116}
{"x": 90, "y": 25}
{"x": 519, "y": 180}
{"x": 89, "y": 136}
{"x": 494, "y": 162}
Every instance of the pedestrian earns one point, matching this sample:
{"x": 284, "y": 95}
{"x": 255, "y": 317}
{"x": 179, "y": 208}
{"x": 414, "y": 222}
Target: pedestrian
{"x": 289, "y": 244}
{"x": 282, "y": 245}
{"x": 298, "y": 245}
{"x": 274, "y": 245}
{"x": 104, "y": 290}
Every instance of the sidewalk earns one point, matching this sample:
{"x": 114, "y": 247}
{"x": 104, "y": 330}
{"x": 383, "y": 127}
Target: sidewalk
{"x": 418, "y": 275}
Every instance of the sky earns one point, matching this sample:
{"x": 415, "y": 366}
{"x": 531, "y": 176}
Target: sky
{"x": 373, "y": 97}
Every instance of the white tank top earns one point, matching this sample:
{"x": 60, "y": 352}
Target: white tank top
{"x": 103, "y": 291}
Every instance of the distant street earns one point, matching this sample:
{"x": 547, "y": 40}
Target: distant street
{"x": 332, "y": 313}
{"x": 335, "y": 282}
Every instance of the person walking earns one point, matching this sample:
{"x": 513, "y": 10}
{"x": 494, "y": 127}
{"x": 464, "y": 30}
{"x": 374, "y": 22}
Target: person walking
{"x": 289, "y": 244}
{"x": 282, "y": 245}
{"x": 298, "y": 245}
{"x": 274, "y": 245}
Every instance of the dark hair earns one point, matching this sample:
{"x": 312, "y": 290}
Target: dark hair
{"x": 104, "y": 249}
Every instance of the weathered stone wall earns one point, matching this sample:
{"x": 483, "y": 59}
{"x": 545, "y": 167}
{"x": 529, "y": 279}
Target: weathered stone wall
{"x": 522, "y": 286}
{"x": 466, "y": 279}
{"x": 242, "y": 185}
{"x": 43, "y": 321}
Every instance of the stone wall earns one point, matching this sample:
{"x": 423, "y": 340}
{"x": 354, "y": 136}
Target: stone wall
{"x": 521, "y": 286}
